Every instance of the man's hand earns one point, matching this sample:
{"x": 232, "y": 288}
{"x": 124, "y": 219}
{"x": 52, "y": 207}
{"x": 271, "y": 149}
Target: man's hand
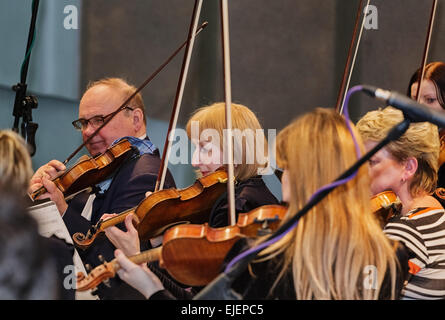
{"x": 43, "y": 177}
{"x": 48, "y": 171}
{"x": 55, "y": 195}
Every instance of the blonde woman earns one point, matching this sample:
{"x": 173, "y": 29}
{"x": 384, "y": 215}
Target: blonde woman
{"x": 330, "y": 252}
{"x": 206, "y": 130}
{"x": 409, "y": 167}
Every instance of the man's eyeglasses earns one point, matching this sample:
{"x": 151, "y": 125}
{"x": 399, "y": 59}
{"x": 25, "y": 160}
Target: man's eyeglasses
{"x": 96, "y": 121}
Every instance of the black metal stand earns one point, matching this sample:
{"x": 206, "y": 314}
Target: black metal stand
{"x": 23, "y": 103}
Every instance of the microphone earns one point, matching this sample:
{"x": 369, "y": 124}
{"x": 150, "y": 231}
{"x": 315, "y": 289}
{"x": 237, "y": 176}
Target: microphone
{"x": 416, "y": 112}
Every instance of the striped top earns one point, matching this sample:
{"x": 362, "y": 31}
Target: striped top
{"x": 423, "y": 232}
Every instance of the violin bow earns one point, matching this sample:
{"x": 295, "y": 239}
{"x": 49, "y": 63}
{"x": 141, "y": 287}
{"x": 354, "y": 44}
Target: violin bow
{"x": 178, "y": 98}
{"x": 228, "y": 98}
{"x": 124, "y": 104}
{"x": 427, "y": 47}
{"x": 344, "y": 86}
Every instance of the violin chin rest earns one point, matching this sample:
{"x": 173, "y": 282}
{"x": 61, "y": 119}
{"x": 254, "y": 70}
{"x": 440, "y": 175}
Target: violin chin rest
{"x": 78, "y": 236}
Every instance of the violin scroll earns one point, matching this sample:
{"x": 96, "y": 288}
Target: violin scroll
{"x": 84, "y": 241}
{"x": 108, "y": 270}
{"x": 96, "y": 276}
{"x": 439, "y": 194}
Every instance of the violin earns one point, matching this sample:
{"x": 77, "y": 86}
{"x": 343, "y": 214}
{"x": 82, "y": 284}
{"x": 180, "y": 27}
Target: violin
{"x": 384, "y": 205}
{"x": 193, "y": 254}
{"x": 165, "y": 208}
{"x": 89, "y": 171}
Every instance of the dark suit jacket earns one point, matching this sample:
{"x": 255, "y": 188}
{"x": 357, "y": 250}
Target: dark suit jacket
{"x": 127, "y": 189}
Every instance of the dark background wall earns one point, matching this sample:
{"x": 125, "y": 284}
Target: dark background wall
{"x": 280, "y": 51}
{"x": 287, "y": 57}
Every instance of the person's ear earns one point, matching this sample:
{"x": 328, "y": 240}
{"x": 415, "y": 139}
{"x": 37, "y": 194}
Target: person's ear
{"x": 138, "y": 119}
{"x": 411, "y": 166}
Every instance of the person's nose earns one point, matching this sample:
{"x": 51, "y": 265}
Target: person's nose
{"x": 88, "y": 130}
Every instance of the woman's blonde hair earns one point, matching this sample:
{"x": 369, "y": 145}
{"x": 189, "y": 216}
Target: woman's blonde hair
{"x": 420, "y": 141}
{"x": 15, "y": 162}
{"x": 332, "y": 246}
{"x": 248, "y": 133}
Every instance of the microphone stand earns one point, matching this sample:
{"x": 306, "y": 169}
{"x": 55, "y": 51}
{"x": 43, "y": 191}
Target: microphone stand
{"x": 220, "y": 287}
{"x": 23, "y": 103}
